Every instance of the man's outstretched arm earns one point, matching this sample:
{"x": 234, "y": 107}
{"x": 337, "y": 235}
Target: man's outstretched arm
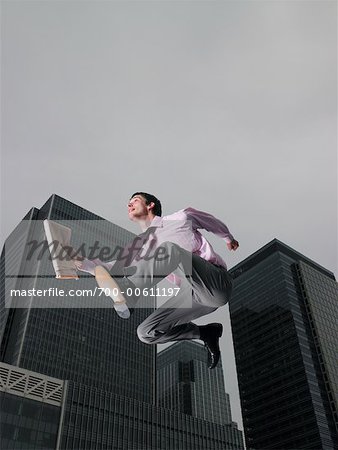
{"x": 208, "y": 222}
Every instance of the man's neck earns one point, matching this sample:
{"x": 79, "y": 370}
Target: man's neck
{"x": 145, "y": 222}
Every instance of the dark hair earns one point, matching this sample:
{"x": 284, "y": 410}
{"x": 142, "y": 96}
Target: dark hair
{"x": 157, "y": 209}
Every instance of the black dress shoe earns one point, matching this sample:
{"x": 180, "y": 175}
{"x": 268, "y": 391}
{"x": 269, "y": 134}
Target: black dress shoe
{"x": 210, "y": 335}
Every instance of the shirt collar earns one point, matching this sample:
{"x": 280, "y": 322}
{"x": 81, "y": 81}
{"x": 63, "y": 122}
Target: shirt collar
{"x": 156, "y": 222}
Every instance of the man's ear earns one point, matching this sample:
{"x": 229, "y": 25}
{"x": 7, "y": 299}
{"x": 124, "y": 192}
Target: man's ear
{"x": 150, "y": 206}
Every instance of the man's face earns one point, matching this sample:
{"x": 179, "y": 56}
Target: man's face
{"x": 137, "y": 207}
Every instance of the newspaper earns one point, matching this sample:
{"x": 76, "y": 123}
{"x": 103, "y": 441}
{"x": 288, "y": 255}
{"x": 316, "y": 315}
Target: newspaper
{"x": 58, "y": 238}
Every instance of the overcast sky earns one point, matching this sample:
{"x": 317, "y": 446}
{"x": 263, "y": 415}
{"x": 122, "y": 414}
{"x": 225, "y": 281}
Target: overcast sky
{"x": 229, "y": 107}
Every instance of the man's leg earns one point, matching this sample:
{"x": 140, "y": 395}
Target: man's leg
{"x": 208, "y": 288}
{"x": 171, "y": 321}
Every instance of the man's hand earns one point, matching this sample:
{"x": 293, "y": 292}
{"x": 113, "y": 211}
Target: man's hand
{"x": 85, "y": 265}
{"x": 78, "y": 263}
{"x": 78, "y": 260}
{"x": 233, "y": 245}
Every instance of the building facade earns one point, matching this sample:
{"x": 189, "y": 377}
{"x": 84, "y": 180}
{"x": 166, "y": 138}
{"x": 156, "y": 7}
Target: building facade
{"x": 103, "y": 420}
{"x": 186, "y": 384}
{"x": 284, "y": 315}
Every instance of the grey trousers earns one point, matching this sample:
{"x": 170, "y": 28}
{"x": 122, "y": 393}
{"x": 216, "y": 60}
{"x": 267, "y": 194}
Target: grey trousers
{"x": 203, "y": 290}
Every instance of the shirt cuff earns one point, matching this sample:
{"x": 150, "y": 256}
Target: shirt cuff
{"x": 88, "y": 266}
{"x": 229, "y": 239}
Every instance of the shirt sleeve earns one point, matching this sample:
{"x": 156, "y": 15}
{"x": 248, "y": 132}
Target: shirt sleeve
{"x": 88, "y": 265}
{"x": 206, "y": 221}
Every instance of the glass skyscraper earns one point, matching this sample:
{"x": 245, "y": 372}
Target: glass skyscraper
{"x": 186, "y": 384}
{"x": 104, "y": 376}
{"x": 284, "y": 315}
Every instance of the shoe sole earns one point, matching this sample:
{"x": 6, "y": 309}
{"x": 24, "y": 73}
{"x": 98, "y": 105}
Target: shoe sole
{"x": 106, "y": 282}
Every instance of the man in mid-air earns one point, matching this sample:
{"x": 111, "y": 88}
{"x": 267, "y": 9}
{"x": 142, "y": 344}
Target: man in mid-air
{"x": 171, "y": 247}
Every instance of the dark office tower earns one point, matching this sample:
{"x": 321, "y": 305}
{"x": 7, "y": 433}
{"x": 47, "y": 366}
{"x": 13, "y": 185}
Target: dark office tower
{"x": 12, "y": 262}
{"x": 186, "y": 384}
{"x": 284, "y": 315}
{"x": 89, "y": 345}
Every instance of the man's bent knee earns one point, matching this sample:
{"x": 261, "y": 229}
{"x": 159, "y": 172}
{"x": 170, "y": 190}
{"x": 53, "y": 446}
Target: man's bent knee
{"x": 142, "y": 334}
{"x": 145, "y": 335}
{"x": 148, "y": 336}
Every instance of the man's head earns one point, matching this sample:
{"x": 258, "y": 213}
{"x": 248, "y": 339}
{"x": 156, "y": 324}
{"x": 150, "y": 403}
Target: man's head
{"x": 142, "y": 204}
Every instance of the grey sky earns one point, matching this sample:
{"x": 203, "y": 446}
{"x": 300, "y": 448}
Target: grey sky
{"x": 229, "y": 107}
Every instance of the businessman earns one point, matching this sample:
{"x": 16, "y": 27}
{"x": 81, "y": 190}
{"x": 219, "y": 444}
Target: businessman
{"x": 171, "y": 247}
